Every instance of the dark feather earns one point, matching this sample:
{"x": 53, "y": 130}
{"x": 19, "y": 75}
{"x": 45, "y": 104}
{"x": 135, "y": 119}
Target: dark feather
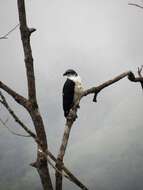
{"x": 68, "y": 96}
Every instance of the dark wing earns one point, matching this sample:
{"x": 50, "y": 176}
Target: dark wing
{"x": 68, "y": 96}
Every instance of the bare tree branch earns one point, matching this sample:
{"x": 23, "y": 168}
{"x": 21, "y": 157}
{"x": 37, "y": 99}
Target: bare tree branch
{"x": 11, "y": 131}
{"x": 67, "y": 174}
{"x": 31, "y": 134}
{"x": 136, "y": 5}
{"x": 25, "y": 37}
{"x": 59, "y": 164}
{"x": 5, "y": 104}
{"x": 66, "y": 170}
{"x": 32, "y": 107}
{"x": 31, "y": 104}
{"x": 96, "y": 90}
{"x": 42, "y": 164}
{"x": 72, "y": 117}
{"x": 17, "y": 97}
{"x": 5, "y": 36}
{"x": 54, "y": 167}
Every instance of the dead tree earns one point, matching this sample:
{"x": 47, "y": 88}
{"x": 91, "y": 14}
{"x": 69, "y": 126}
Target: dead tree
{"x": 44, "y": 156}
{"x": 31, "y": 105}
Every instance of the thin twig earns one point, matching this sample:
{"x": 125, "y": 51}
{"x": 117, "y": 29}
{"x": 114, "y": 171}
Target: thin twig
{"x": 12, "y": 113}
{"x": 11, "y": 131}
{"x": 9, "y": 32}
{"x": 136, "y": 5}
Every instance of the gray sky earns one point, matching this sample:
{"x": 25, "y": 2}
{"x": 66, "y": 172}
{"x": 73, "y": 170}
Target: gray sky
{"x": 99, "y": 39}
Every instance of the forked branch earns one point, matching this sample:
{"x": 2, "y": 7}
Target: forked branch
{"x": 31, "y": 105}
{"x": 47, "y": 154}
{"x": 97, "y": 89}
{"x": 73, "y": 112}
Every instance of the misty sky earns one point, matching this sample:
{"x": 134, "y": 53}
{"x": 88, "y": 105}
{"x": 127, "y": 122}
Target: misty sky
{"x": 99, "y": 39}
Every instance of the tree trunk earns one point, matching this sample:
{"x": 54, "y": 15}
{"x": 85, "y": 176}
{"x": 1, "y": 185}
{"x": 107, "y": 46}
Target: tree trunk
{"x": 41, "y": 162}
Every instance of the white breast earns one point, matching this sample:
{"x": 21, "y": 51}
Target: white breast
{"x": 78, "y": 87}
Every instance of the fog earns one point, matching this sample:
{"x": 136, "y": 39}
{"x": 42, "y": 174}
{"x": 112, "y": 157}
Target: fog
{"x": 99, "y": 39}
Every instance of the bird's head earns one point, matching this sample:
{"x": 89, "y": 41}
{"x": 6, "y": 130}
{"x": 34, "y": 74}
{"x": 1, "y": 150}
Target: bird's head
{"x": 70, "y": 72}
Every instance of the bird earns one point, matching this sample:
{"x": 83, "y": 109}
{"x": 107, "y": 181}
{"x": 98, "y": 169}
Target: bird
{"x": 72, "y": 90}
